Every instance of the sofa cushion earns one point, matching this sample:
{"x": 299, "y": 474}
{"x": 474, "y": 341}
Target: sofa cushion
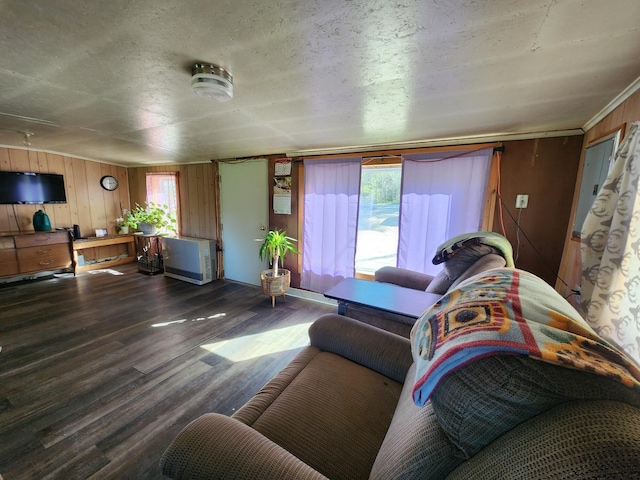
{"x": 440, "y": 283}
{"x": 483, "y": 264}
{"x": 582, "y": 439}
{"x": 333, "y": 416}
{"x": 415, "y": 446}
{"x": 481, "y": 401}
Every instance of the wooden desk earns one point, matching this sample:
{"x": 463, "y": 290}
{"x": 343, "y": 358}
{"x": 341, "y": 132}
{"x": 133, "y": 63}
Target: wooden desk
{"x": 383, "y": 305}
{"x": 93, "y": 242}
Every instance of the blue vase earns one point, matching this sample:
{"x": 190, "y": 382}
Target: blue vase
{"x": 41, "y": 222}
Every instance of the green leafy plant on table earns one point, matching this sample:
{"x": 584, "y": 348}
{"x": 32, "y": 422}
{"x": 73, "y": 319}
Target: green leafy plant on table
{"x": 127, "y": 220}
{"x": 152, "y": 214}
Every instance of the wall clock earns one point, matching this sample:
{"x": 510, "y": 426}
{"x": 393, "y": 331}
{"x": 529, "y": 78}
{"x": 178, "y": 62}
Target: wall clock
{"x": 109, "y": 183}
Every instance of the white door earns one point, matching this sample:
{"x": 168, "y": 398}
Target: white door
{"x": 244, "y": 204}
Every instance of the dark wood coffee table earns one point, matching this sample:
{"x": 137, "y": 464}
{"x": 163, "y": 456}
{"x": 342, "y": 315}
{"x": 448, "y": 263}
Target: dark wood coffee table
{"x": 383, "y": 305}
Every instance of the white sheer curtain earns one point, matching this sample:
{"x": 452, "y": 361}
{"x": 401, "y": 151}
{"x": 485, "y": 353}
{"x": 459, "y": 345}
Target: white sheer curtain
{"x": 331, "y": 197}
{"x": 442, "y": 196}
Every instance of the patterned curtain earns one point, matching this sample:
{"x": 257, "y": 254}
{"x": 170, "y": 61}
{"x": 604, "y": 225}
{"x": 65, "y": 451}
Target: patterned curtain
{"x": 611, "y": 252}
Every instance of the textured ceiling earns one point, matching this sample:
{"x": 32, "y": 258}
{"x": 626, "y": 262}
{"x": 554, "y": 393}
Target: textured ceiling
{"x": 110, "y": 80}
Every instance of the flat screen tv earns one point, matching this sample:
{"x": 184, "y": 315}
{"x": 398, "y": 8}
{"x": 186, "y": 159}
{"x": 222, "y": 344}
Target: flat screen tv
{"x": 31, "y": 188}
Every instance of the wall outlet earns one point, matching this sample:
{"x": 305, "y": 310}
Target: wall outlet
{"x": 522, "y": 201}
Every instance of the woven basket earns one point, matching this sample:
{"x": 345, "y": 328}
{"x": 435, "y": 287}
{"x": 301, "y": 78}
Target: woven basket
{"x": 275, "y": 287}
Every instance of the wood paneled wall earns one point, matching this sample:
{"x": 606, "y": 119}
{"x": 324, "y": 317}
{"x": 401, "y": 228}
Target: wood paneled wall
{"x": 196, "y": 186}
{"x": 571, "y": 265}
{"x": 545, "y": 169}
{"x": 88, "y": 204}
{"x": 292, "y": 224}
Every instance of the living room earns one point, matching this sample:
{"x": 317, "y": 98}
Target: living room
{"x": 542, "y": 160}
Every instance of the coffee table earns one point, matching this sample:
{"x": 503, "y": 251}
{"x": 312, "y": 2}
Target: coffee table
{"x": 383, "y": 305}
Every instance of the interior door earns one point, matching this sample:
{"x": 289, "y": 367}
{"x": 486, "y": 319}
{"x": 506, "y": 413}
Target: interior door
{"x": 598, "y": 160}
{"x": 244, "y": 205}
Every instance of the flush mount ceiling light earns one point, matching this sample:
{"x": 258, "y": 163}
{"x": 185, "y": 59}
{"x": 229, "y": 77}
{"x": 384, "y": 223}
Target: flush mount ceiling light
{"x": 211, "y": 81}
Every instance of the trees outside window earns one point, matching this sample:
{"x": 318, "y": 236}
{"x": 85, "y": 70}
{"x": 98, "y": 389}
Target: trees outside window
{"x": 378, "y": 217}
{"x": 162, "y": 189}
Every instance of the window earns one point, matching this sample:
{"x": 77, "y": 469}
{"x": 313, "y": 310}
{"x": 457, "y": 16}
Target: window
{"x": 378, "y": 216}
{"x": 162, "y": 188}
{"x": 388, "y": 211}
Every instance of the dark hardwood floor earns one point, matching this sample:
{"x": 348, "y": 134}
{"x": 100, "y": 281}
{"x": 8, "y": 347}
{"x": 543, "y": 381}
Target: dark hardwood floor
{"x": 98, "y": 373}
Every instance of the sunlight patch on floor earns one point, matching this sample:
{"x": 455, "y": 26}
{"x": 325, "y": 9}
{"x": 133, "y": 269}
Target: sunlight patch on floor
{"x": 184, "y": 320}
{"x": 260, "y": 344}
{"x": 105, "y": 270}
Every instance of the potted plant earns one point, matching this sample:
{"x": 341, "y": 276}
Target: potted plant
{"x": 275, "y": 246}
{"x": 126, "y": 222}
{"x": 152, "y": 217}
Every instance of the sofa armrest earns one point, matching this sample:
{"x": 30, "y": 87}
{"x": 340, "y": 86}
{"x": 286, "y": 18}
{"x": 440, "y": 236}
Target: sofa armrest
{"x": 215, "y": 446}
{"x": 403, "y": 277}
{"x": 385, "y": 352}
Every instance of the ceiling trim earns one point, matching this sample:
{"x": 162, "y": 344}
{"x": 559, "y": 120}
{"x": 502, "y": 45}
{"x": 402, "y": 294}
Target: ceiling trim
{"x": 613, "y": 104}
{"x": 62, "y": 154}
{"x": 108, "y": 162}
{"x": 439, "y": 142}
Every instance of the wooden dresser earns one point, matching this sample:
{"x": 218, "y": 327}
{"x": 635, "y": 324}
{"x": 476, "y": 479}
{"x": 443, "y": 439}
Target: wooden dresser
{"x": 27, "y": 253}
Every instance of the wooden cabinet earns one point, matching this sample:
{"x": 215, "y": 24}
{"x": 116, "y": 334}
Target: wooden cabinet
{"x": 8, "y": 257}
{"x": 34, "y": 252}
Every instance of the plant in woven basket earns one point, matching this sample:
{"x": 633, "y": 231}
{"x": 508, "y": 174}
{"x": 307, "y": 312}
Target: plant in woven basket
{"x": 275, "y": 246}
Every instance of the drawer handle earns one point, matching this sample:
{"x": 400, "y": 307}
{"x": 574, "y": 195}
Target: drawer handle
{"x": 43, "y": 252}
{"x": 46, "y": 263}
{"x": 41, "y": 239}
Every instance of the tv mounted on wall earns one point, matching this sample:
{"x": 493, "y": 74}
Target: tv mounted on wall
{"x": 31, "y": 188}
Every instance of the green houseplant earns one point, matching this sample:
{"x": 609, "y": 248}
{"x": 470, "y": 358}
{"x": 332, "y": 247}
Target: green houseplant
{"x": 274, "y": 247}
{"x": 151, "y": 218}
{"x": 126, "y": 222}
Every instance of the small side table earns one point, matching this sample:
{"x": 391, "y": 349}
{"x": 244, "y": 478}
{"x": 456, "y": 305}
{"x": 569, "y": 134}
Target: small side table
{"x": 149, "y": 249}
{"x": 383, "y": 305}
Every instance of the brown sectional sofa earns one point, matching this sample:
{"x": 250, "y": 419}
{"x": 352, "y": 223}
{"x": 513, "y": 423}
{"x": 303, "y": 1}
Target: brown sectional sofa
{"x": 343, "y": 410}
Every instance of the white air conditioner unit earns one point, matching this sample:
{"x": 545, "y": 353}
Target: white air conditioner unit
{"x": 189, "y": 259}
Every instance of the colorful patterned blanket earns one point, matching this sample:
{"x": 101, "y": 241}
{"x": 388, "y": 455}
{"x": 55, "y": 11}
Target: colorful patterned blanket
{"x": 509, "y": 311}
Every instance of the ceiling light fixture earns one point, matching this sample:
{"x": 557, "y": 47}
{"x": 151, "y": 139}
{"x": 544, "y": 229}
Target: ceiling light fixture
{"x": 211, "y": 81}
